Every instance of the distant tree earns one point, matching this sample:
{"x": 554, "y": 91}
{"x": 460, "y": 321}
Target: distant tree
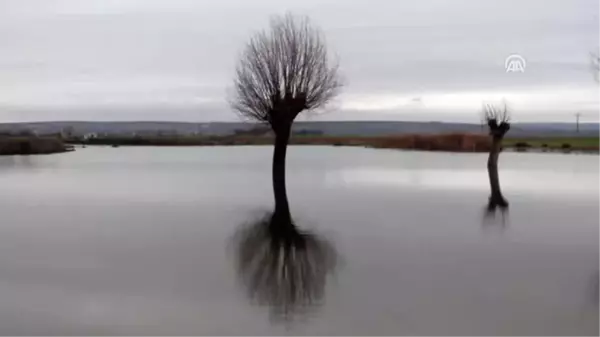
{"x": 68, "y": 132}
{"x": 498, "y": 121}
{"x": 280, "y": 74}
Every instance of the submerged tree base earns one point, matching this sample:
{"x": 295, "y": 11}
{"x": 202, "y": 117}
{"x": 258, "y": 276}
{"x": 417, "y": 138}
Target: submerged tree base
{"x": 497, "y": 202}
{"x": 495, "y": 206}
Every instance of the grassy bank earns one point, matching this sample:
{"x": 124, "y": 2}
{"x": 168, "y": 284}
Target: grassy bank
{"x": 447, "y": 142}
{"x": 31, "y": 145}
{"x": 554, "y": 143}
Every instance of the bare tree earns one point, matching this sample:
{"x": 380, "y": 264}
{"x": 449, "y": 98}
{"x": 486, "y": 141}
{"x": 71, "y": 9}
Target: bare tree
{"x": 282, "y": 73}
{"x": 498, "y": 121}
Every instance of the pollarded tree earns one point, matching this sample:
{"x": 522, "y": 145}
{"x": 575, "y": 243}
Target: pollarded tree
{"x": 498, "y": 121}
{"x": 281, "y": 73}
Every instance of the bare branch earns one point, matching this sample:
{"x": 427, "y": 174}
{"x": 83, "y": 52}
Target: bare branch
{"x": 284, "y": 72}
{"x": 497, "y": 118}
{"x": 499, "y": 113}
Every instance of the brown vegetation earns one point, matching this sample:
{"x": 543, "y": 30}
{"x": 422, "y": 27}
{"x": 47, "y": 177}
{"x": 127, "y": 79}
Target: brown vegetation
{"x": 444, "y": 142}
{"x": 31, "y": 145}
{"x": 455, "y": 142}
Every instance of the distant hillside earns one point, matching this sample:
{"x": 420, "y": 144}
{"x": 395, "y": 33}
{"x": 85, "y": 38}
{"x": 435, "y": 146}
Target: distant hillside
{"x": 333, "y": 128}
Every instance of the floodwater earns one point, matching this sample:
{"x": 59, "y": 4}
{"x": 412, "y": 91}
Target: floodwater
{"x": 127, "y": 241}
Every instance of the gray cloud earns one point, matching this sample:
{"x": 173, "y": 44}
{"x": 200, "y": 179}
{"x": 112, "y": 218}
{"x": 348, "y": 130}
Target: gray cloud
{"x": 173, "y": 60}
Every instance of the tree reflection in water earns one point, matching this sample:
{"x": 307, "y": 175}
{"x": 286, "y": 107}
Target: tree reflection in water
{"x": 495, "y": 216}
{"x": 594, "y": 289}
{"x": 282, "y": 266}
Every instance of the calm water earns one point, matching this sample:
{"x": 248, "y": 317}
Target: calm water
{"x": 140, "y": 241}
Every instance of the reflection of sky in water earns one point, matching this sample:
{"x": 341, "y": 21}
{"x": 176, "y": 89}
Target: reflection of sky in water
{"x": 215, "y": 175}
{"x": 133, "y": 241}
{"x": 533, "y": 181}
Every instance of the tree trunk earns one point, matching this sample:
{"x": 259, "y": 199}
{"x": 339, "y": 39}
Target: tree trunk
{"x": 496, "y": 197}
{"x": 282, "y": 209}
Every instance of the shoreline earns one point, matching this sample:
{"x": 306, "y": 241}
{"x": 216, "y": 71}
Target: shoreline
{"x": 451, "y": 142}
{"x": 506, "y": 149}
{"x": 442, "y": 142}
{"x": 31, "y": 145}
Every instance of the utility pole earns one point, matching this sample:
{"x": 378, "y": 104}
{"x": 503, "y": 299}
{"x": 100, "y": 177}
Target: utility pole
{"x": 577, "y": 115}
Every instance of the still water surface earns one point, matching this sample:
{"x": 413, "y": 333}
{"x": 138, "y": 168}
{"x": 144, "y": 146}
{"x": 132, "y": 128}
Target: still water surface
{"x": 141, "y": 241}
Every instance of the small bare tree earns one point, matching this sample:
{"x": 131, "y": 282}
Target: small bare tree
{"x": 498, "y": 121}
{"x": 282, "y": 73}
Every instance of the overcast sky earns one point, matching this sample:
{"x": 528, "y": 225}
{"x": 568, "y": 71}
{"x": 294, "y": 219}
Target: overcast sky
{"x": 401, "y": 59}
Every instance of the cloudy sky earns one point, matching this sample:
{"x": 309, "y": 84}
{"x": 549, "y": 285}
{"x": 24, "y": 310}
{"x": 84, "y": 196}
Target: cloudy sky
{"x": 401, "y": 59}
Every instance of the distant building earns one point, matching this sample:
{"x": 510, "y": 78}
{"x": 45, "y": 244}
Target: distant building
{"x": 88, "y": 136}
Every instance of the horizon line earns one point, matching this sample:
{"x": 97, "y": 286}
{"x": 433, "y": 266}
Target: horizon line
{"x": 253, "y": 122}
